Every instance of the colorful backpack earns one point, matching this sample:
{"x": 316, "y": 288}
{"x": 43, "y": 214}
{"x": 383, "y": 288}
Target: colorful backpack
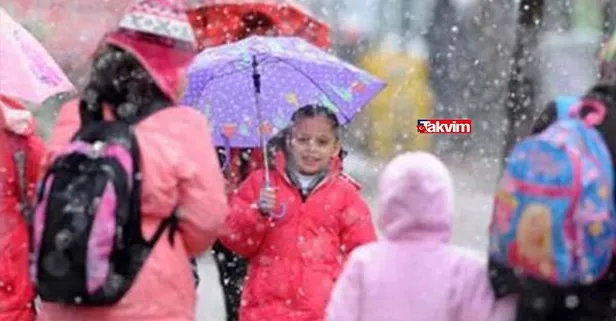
{"x": 553, "y": 216}
{"x": 86, "y": 232}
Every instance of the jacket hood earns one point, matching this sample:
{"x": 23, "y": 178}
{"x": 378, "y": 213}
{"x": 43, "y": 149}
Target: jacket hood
{"x": 14, "y": 117}
{"x": 416, "y": 198}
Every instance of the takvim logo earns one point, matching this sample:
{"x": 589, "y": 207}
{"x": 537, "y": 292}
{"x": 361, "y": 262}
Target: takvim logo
{"x": 444, "y": 126}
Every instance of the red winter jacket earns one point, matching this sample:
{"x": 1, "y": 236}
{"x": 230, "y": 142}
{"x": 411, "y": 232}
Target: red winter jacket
{"x": 16, "y": 132}
{"x": 294, "y": 261}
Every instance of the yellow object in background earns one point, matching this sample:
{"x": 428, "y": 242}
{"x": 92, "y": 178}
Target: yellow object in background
{"x": 394, "y": 113}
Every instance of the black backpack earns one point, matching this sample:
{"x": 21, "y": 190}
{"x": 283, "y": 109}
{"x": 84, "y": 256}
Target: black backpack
{"x": 87, "y": 243}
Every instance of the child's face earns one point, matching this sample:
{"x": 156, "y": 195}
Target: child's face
{"x": 313, "y": 144}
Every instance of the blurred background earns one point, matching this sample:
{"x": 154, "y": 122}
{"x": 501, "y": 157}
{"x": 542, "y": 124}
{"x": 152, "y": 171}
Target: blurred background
{"x": 442, "y": 58}
{"x": 494, "y": 61}
{"x": 497, "y": 62}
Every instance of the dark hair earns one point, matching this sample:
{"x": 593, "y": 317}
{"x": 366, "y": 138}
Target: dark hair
{"x": 118, "y": 79}
{"x": 603, "y": 91}
{"x": 311, "y": 111}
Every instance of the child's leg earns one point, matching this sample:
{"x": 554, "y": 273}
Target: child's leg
{"x": 537, "y": 302}
{"x": 232, "y": 270}
{"x": 195, "y": 271}
{"x": 543, "y": 302}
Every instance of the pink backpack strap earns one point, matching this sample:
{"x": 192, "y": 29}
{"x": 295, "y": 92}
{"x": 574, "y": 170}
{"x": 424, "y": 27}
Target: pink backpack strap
{"x": 597, "y": 114}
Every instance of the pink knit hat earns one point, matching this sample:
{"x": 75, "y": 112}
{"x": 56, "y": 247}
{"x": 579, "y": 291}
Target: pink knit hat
{"x": 159, "y": 35}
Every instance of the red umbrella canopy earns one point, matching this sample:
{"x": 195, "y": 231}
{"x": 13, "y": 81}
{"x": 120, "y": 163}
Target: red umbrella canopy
{"x": 224, "y": 21}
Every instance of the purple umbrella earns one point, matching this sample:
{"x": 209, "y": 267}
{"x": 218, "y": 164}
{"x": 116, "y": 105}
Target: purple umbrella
{"x": 292, "y": 73}
{"x": 257, "y": 83}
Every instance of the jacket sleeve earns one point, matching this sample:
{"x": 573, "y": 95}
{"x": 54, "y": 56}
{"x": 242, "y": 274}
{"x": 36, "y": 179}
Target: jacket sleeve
{"x": 245, "y": 226}
{"x": 345, "y": 302}
{"x": 202, "y": 201}
{"x": 357, "y": 228}
{"x": 473, "y": 298}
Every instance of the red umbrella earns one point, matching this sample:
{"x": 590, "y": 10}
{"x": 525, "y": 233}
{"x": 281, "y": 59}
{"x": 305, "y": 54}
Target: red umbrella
{"x": 224, "y": 21}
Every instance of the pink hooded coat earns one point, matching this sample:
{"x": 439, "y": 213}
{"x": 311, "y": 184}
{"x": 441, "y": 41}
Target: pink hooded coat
{"x": 413, "y": 273}
{"x": 179, "y": 166}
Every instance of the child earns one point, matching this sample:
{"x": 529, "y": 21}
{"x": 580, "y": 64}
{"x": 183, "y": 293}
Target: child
{"x": 297, "y": 233}
{"x": 592, "y": 302}
{"x": 414, "y": 273}
{"x": 21, "y": 153}
{"x": 176, "y": 173}
{"x": 232, "y": 267}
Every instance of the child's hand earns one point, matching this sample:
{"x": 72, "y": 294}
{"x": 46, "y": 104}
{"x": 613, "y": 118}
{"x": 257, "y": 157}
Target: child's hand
{"x": 267, "y": 200}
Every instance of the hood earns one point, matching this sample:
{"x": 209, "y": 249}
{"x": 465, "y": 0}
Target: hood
{"x": 15, "y": 117}
{"x": 416, "y": 198}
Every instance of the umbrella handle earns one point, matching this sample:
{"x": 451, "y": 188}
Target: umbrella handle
{"x": 283, "y": 206}
{"x": 227, "y": 155}
{"x": 281, "y": 214}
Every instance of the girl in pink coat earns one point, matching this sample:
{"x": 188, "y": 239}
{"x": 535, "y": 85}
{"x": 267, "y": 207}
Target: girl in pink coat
{"x": 414, "y": 273}
{"x": 134, "y": 75}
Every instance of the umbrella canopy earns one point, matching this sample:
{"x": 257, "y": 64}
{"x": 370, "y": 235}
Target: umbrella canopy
{"x": 226, "y": 21}
{"x": 71, "y": 29}
{"x": 27, "y": 71}
{"x": 257, "y": 83}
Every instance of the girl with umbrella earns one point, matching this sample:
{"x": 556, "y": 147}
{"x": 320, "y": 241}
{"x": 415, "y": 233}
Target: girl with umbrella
{"x": 297, "y": 235}
{"x": 242, "y": 161}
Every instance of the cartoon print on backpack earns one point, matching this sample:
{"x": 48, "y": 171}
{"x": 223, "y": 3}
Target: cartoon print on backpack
{"x": 532, "y": 248}
{"x": 504, "y": 207}
{"x": 560, "y": 233}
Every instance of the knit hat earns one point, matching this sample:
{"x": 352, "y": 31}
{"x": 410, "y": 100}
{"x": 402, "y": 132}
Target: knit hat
{"x": 160, "y": 36}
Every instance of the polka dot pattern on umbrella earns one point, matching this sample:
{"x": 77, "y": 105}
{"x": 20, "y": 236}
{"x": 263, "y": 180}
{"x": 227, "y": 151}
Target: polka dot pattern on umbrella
{"x": 293, "y": 73}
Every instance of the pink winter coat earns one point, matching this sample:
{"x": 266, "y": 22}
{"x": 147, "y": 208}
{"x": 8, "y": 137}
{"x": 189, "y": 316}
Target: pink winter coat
{"x": 413, "y": 273}
{"x": 180, "y": 167}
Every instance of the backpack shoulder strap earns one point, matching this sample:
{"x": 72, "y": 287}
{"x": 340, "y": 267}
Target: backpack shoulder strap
{"x": 171, "y": 223}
